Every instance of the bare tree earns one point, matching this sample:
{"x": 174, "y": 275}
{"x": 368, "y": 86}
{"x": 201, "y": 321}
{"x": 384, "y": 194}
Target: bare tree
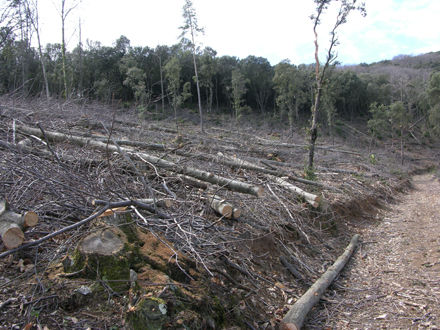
{"x": 191, "y": 26}
{"x": 64, "y": 11}
{"x": 10, "y": 19}
{"x": 159, "y": 52}
{"x": 35, "y": 21}
{"x": 346, "y": 7}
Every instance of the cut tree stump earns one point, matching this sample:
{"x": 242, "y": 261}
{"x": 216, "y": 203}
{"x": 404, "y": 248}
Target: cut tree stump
{"x": 295, "y": 317}
{"x": 106, "y": 251}
{"x": 12, "y": 225}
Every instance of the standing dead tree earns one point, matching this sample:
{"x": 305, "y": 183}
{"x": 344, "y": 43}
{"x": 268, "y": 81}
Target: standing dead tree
{"x": 321, "y": 71}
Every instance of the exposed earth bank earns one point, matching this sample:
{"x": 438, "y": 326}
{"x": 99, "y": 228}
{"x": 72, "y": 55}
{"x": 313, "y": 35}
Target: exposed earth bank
{"x": 393, "y": 280}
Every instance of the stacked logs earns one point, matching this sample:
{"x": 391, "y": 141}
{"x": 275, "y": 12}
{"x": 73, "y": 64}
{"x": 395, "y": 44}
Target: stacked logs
{"x": 12, "y": 225}
{"x": 223, "y": 207}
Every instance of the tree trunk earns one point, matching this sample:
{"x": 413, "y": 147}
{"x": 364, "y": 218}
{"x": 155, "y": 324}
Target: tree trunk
{"x": 310, "y": 198}
{"x": 36, "y": 25}
{"x": 295, "y": 317}
{"x": 63, "y": 48}
{"x": 401, "y": 142}
{"x": 198, "y": 86}
{"x": 232, "y": 184}
{"x": 161, "y": 86}
{"x": 314, "y": 130}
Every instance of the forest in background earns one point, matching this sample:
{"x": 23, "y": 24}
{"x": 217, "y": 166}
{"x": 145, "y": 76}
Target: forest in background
{"x": 393, "y": 93}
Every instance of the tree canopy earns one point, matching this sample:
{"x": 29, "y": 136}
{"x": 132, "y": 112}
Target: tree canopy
{"x": 164, "y": 76}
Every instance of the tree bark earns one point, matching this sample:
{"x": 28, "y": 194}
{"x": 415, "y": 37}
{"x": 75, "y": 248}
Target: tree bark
{"x": 45, "y": 238}
{"x": 232, "y": 184}
{"x": 223, "y": 207}
{"x": 12, "y": 225}
{"x": 310, "y": 198}
{"x": 314, "y": 128}
{"x": 294, "y": 272}
{"x": 295, "y": 317}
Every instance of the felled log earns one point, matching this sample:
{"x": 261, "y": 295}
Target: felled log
{"x": 288, "y": 145}
{"x": 235, "y": 162}
{"x": 223, "y": 207}
{"x": 47, "y": 237}
{"x": 236, "y": 212}
{"x": 159, "y": 202}
{"x": 232, "y": 184}
{"x": 310, "y": 198}
{"x": 292, "y": 269}
{"x": 295, "y": 317}
{"x": 12, "y": 225}
{"x": 133, "y": 202}
{"x": 194, "y": 183}
{"x": 239, "y": 163}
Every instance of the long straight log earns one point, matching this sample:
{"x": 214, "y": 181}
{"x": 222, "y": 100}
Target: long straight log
{"x": 238, "y": 163}
{"x": 288, "y": 145}
{"x": 195, "y": 173}
{"x": 310, "y": 198}
{"x": 295, "y": 317}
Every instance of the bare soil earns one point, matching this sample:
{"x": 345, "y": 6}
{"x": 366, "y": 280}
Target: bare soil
{"x": 393, "y": 281}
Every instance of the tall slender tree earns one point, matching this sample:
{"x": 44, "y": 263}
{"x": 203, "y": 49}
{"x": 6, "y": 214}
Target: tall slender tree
{"x": 35, "y": 21}
{"x": 172, "y": 73}
{"x": 64, "y": 10}
{"x": 160, "y": 52}
{"x": 191, "y": 27}
{"x": 345, "y": 8}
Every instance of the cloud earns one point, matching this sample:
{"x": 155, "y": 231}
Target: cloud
{"x": 275, "y": 30}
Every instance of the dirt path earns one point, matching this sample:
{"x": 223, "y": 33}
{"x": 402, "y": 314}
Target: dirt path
{"x": 393, "y": 281}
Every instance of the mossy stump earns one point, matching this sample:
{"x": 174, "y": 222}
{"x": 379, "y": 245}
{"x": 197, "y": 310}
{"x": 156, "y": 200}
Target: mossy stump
{"x": 149, "y": 313}
{"x": 106, "y": 252}
{"x": 102, "y": 254}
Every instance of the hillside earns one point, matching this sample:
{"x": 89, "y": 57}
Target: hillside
{"x": 204, "y": 269}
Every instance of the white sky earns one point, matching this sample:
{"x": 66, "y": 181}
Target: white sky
{"x": 276, "y": 29}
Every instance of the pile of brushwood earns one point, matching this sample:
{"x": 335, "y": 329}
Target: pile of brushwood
{"x": 149, "y": 224}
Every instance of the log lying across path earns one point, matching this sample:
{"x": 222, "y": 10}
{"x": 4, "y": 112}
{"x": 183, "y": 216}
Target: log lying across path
{"x": 232, "y": 184}
{"x": 296, "y": 315}
{"x": 12, "y": 224}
